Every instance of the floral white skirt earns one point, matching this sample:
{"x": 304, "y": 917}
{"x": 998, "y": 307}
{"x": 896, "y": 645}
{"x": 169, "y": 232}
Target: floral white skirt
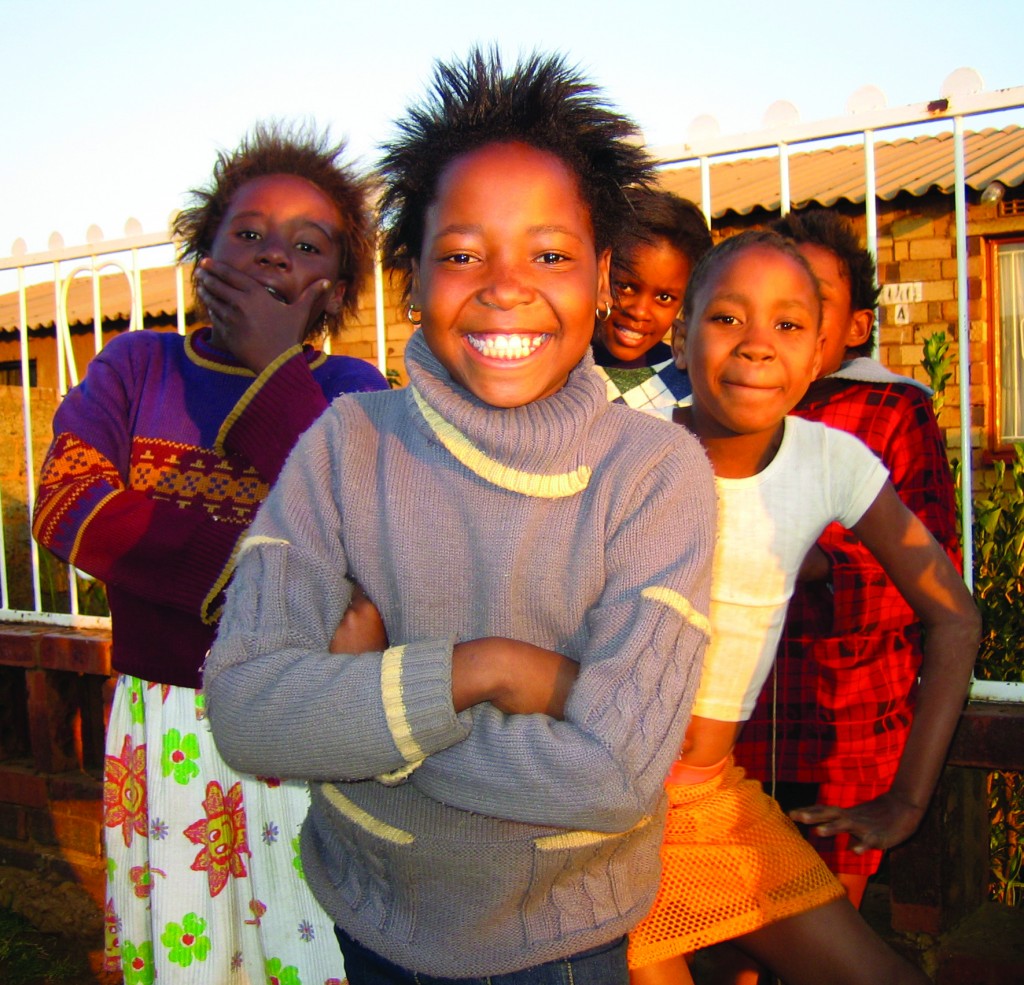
{"x": 204, "y": 880}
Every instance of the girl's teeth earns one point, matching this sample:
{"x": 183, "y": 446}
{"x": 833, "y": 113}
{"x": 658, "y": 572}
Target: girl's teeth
{"x": 506, "y": 346}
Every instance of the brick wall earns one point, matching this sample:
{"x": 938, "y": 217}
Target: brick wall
{"x": 55, "y": 690}
{"x": 359, "y": 336}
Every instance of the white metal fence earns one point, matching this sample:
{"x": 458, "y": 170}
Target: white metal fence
{"x": 962, "y": 98}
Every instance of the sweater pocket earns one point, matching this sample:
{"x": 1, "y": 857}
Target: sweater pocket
{"x": 582, "y": 880}
{"x": 359, "y": 852}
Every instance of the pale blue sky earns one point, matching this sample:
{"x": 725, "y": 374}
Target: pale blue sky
{"x": 114, "y": 108}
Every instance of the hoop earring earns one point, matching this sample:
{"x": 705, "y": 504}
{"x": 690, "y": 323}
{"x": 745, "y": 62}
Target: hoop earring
{"x": 410, "y": 314}
{"x": 607, "y": 312}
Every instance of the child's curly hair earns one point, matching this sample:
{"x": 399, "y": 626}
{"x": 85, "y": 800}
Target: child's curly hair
{"x": 657, "y": 214}
{"x": 543, "y": 103}
{"x": 831, "y": 231}
{"x": 276, "y": 148}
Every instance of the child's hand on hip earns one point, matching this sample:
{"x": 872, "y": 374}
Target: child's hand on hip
{"x": 880, "y": 823}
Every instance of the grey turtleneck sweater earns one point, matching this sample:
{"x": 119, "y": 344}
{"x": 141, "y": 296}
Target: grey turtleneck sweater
{"x": 474, "y": 843}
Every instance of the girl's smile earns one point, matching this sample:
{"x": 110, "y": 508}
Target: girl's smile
{"x": 649, "y": 285}
{"x": 508, "y": 278}
{"x": 508, "y": 347}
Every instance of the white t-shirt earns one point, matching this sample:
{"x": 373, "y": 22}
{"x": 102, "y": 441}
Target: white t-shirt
{"x": 766, "y": 525}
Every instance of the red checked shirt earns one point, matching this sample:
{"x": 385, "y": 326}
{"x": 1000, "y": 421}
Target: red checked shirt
{"x": 851, "y": 651}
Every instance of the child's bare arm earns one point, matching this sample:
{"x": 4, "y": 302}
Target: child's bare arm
{"x": 254, "y": 323}
{"x": 361, "y": 629}
{"x": 517, "y": 678}
{"x": 922, "y": 572}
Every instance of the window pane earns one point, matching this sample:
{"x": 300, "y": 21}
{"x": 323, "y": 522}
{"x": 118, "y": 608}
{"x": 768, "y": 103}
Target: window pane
{"x": 1011, "y": 333}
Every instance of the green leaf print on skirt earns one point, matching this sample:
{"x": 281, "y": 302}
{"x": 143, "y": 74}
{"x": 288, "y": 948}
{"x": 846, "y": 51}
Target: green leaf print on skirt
{"x": 180, "y": 756}
{"x": 186, "y": 942}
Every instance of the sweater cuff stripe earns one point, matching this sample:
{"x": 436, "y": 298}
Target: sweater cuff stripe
{"x": 681, "y": 604}
{"x": 394, "y": 705}
{"x": 77, "y": 546}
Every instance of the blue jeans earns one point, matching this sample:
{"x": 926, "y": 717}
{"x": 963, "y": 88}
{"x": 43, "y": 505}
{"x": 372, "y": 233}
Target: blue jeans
{"x": 604, "y": 965}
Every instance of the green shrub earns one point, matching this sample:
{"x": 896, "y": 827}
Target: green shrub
{"x": 999, "y": 569}
{"x": 1006, "y": 859}
{"x": 939, "y": 366}
{"x": 998, "y": 530}
{"x": 33, "y": 958}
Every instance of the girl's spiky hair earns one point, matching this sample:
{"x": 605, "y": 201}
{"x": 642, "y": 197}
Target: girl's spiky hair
{"x": 300, "y": 150}
{"x": 542, "y": 102}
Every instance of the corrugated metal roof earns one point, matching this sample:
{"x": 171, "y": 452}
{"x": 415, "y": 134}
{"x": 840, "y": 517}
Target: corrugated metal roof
{"x": 825, "y": 176}
{"x": 159, "y": 297}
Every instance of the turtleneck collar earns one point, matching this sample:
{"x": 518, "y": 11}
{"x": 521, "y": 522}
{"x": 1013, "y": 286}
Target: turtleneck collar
{"x": 538, "y": 449}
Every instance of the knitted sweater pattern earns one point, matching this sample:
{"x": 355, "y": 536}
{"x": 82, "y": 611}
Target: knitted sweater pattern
{"x": 473, "y": 843}
{"x": 160, "y": 459}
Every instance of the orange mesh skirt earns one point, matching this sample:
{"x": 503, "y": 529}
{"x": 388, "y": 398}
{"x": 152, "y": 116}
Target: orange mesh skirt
{"x": 732, "y": 863}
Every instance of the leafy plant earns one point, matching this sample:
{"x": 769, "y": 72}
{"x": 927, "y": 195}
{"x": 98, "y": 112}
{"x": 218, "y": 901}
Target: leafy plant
{"x": 1006, "y": 813}
{"x": 938, "y": 365}
{"x": 999, "y": 593}
{"x": 998, "y": 531}
{"x": 999, "y": 569}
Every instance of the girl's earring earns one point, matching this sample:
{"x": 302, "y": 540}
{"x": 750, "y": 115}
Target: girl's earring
{"x": 606, "y": 314}
{"x": 414, "y": 315}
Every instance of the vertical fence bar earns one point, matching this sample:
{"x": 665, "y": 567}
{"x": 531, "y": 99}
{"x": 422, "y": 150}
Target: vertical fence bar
{"x": 784, "y": 193}
{"x": 378, "y": 311}
{"x": 871, "y": 217}
{"x": 30, "y": 472}
{"x": 97, "y": 310}
{"x": 179, "y": 297}
{"x": 5, "y": 600}
{"x": 58, "y": 318}
{"x": 964, "y": 341}
{"x": 138, "y": 311}
{"x": 705, "y": 189}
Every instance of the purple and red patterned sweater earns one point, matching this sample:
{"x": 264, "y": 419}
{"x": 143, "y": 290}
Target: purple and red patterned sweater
{"x": 160, "y": 459}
